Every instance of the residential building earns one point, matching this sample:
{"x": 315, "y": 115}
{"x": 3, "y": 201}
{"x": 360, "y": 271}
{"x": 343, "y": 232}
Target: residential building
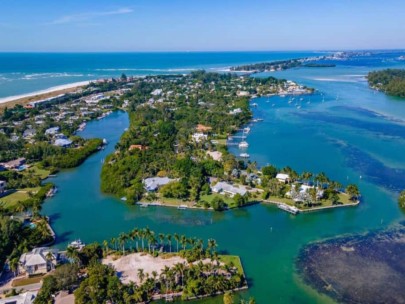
{"x": 39, "y": 260}
{"x": 52, "y": 131}
{"x": 231, "y": 190}
{"x": 22, "y": 298}
{"x": 64, "y": 143}
{"x": 14, "y": 164}
{"x": 154, "y": 183}
{"x": 282, "y": 177}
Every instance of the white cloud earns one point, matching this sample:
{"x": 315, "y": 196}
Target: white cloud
{"x": 90, "y": 15}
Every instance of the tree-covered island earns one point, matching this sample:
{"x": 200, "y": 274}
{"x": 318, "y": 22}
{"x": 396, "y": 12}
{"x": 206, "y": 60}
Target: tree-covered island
{"x": 390, "y": 81}
{"x": 175, "y": 150}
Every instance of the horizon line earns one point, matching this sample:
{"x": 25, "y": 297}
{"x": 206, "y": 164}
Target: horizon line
{"x": 209, "y": 51}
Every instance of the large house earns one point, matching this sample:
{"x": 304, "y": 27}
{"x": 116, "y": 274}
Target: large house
{"x": 22, "y": 298}
{"x": 153, "y": 183}
{"x": 14, "y": 164}
{"x": 231, "y": 190}
{"x": 39, "y": 260}
{"x": 282, "y": 177}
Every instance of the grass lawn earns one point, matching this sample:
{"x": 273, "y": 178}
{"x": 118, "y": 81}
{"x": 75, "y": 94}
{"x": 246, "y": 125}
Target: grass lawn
{"x": 343, "y": 200}
{"x": 20, "y": 195}
{"x": 174, "y": 201}
{"x": 234, "y": 259}
{"x": 27, "y": 281}
{"x": 42, "y": 173}
{"x": 208, "y": 198}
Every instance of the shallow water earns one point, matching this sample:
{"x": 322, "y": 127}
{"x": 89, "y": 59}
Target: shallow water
{"x": 351, "y": 139}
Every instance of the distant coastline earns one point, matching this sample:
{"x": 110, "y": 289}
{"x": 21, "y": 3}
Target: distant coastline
{"x": 23, "y": 98}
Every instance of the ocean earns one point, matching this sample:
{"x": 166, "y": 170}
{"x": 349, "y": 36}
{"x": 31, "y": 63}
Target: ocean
{"x": 22, "y": 73}
{"x": 345, "y": 129}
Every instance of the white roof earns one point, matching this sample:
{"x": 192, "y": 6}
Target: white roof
{"x": 22, "y": 298}
{"x": 37, "y": 256}
{"x": 225, "y": 187}
{"x": 154, "y": 183}
{"x": 282, "y": 176}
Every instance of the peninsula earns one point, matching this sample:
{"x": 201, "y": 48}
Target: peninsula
{"x": 390, "y": 81}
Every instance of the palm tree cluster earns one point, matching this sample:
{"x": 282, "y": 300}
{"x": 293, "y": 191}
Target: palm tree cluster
{"x": 202, "y": 274}
{"x": 146, "y": 240}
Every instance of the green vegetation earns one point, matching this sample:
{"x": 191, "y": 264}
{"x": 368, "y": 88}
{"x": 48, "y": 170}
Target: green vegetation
{"x": 165, "y": 128}
{"x": 401, "y": 200}
{"x": 16, "y": 238}
{"x": 101, "y": 283}
{"x": 390, "y": 81}
{"x": 268, "y": 66}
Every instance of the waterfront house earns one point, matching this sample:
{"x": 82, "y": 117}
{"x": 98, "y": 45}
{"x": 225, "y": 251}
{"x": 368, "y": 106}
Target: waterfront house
{"x": 216, "y": 155}
{"x": 3, "y": 185}
{"x": 39, "y": 260}
{"x": 14, "y": 164}
{"x": 282, "y": 177}
{"x": 157, "y": 92}
{"x": 62, "y": 142}
{"x": 52, "y": 131}
{"x": 231, "y": 190}
{"x": 22, "y": 298}
{"x": 154, "y": 183}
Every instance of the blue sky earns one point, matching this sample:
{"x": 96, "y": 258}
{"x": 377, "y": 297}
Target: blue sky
{"x": 206, "y": 25}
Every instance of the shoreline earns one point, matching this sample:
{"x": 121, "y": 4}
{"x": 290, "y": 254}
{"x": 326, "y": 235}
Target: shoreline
{"x": 28, "y": 97}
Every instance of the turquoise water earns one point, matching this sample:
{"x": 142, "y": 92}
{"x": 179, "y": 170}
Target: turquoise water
{"x": 358, "y": 137}
{"x": 22, "y": 73}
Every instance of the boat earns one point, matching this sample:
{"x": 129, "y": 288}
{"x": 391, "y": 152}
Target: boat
{"x": 246, "y": 130}
{"x": 52, "y": 192}
{"x": 182, "y": 207}
{"x": 254, "y": 104}
{"x": 244, "y": 155}
{"x": 77, "y": 244}
{"x": 123, "y": 198}
{"x": 105, "y": 142}
{"x": 290, "y": 209}
{"x": 143, "y": 205}
{"x": 243, "y": 144}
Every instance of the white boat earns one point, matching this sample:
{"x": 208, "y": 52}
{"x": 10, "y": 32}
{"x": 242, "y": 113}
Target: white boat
{"x": 290, "y": 209}
{"x": 246, "y": 130}
{"x": 254, "y": 104}
{"x": 143, "y": 205}
{"x": 244, "y": 155}
{"x": 105, "y": 141}
{"x": 77, "y": 244}
{"x": 243, "y": 144}
{"x": 182, "y": 207}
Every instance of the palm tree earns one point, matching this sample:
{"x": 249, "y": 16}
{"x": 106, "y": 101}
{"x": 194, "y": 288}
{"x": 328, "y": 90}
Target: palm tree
{"x": 212, "y": 244}
{"x": 135, "y": 233}
{"x": 162, "y": 239}
{"x": 122, "y": 239}
{"x": 14, "y": 266}
{"x": 169, "y": 239}
{"x": 183, "y": 241}
{"x": 177, "y": 238}
{"x": 141, "y": 274}
{"x": 180, "y": 267}
{"x": 73, "y": 254}
{"x": 105, "y": 245}
{"x": 49, "y": 258}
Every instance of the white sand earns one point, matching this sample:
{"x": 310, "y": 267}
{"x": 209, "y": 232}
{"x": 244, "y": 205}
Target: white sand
{"x": 49, "y": 90}
{"x": 127, "y": 266}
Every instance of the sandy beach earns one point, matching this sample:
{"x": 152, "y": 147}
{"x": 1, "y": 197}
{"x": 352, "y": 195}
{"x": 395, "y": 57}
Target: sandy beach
{"x": 127, "y": 266}
{"x": 42, "y": 94}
